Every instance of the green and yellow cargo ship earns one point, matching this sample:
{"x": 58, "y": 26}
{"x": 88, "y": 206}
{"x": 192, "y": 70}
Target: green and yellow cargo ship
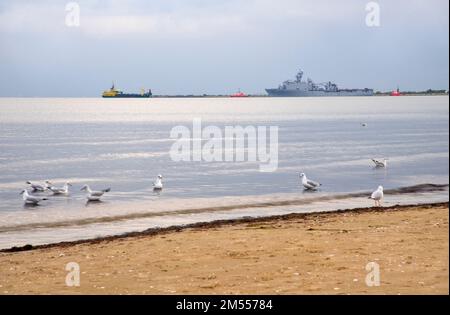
{"x": 113, "y": 92}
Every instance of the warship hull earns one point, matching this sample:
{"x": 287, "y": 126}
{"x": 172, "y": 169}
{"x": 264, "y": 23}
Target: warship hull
{"x": 297, "y": 93}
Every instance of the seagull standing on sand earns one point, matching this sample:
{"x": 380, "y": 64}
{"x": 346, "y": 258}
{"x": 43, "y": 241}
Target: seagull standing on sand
{"x": 37, "y": 187}
{"x": 29, "y": 199}
{"x": 94, "y": 195}
{"x": 158, "y": 185}
{"x": 377, "y": 196}
{"x": 380, "y": 164}
{"x": 309, "y": 184}
{"x": 58, "y": 190}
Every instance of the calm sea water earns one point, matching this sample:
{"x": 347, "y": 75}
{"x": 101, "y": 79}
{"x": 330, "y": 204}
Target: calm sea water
{"x": 125, "y": 144}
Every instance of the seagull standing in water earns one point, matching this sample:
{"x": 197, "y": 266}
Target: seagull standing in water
{"x": 377, "y": 196}
{"x": 37, "y": 187}
{"x": 158, "y": 185}
{"x": 29, "y": 199}
{"x": 59, "y": 190}
{"x": 380, "y": 164}
{"x": 94, "y": 195}
{"x": 309, "y": 184}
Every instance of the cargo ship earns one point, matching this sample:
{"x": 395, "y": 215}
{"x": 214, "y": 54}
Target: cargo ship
{"x": 113, "y": 92}
{"x": 300, "y": 88}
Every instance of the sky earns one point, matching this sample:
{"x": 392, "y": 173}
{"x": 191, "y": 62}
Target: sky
{"x": 219, "y": 46}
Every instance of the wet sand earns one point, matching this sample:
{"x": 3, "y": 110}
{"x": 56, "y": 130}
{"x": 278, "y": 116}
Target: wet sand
{"x": 323, "y": 253}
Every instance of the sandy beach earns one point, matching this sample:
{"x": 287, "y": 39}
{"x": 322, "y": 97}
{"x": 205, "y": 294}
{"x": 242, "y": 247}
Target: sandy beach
{"x": 295, "y": 254}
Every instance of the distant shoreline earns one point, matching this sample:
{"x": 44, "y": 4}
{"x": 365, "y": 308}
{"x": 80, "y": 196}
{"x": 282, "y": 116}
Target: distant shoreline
{"x": 376, "y": 94}
{"x": 267, "y": 96}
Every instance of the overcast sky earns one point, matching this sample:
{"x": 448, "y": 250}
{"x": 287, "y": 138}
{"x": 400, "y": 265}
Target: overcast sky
{"x": 219, "y": 46}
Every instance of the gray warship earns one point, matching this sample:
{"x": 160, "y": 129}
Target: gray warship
{"x": 299, "y": 88}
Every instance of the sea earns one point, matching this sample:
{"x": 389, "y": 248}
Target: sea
{"x": 123, "y": 144}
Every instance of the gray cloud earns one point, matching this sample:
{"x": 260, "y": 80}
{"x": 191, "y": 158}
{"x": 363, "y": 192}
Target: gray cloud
{"x": 195, "y": 46}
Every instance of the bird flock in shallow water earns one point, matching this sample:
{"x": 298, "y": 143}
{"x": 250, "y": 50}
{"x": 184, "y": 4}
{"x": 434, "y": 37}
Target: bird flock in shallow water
{"x": 377, "y": 196}
{"x": 29, "y": 197}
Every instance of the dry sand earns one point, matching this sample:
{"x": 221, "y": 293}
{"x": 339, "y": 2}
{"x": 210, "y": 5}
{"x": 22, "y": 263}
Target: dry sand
{"x": 296, "y": 254}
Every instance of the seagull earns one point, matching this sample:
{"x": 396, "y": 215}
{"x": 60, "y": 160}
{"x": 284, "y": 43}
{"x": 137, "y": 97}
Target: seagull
{"x": 309, "y": 184}
{"x": 29, "y": 199}
{"x": 380, "y": 164}
{"x": 37, "y": 187}
{"x": 94, "y": 195}
{"x": 59, "y": 190}
{"x": 378, "y": 196}
{"x": 158, "y": 185}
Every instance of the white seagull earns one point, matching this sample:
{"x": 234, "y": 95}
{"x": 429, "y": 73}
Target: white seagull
{"x": 377, "y": 196}
{"x": 158, "y": 185}
{"x": 309, "y": 184}
{"x": 380, "y": 163}
{"x": 29, "y": 199}
{"x": 37, "y": 187}
{"x": 59, "y": 190}
{"x": 94, "y": 195}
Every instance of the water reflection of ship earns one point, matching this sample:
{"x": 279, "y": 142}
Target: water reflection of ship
{"x": 113, "y": 92}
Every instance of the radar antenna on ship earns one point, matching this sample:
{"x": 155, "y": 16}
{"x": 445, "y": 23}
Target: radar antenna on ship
{"x": 299, "y": 76}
